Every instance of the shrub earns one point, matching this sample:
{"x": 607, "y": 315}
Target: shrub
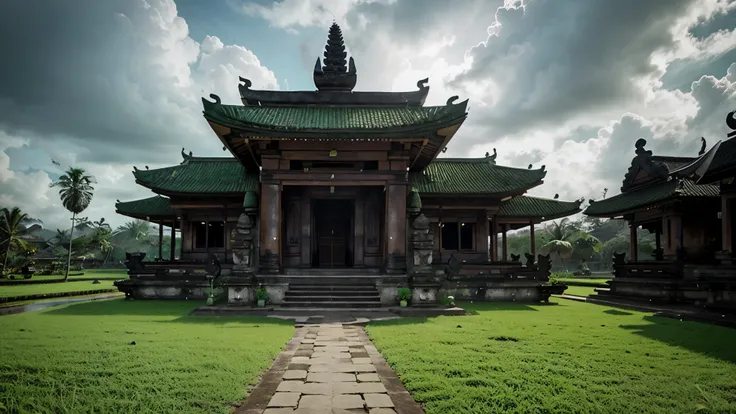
{"x": 404, "y": 294}
{"x": 261, "y": 293}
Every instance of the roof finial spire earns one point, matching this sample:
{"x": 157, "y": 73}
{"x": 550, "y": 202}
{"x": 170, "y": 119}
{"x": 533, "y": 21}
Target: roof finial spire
{"x": 337, "y": 74}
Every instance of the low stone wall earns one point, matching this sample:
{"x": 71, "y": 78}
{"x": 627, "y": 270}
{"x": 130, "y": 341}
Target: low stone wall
{"x": 163, "y": 289}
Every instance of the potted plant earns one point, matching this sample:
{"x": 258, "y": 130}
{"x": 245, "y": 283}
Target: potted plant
{"x": 451, "y": 301}
{"x": 261, "y": 296}
{"x": 404, "y": 296}
{"x": 210, "y": 291}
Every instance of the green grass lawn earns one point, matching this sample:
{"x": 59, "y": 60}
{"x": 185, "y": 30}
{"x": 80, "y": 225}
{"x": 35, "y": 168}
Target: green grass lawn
{"x": 112, "y": 274}
{"x": 22, "y": 290}
{"x": 601, "y": 282}
{"x": 562, "y": 357}
{"x": 78, "y": 358}
{"x": 580, "y": 290}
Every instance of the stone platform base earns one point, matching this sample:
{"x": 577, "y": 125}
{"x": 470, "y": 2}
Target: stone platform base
{"x": 328, "y": 313}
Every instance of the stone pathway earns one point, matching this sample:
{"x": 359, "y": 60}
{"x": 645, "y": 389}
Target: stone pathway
{"x": 330, "y": 368}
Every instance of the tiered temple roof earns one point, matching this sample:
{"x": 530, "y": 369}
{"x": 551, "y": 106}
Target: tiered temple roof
{"x": 652, "y": 181}
{"x": 335, "y": 112}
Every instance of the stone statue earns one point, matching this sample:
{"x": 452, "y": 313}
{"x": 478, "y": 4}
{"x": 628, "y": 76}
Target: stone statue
{"x": 515, "y": 257}
{"x": 529, "y": 260}
{"x": 544, "y": 263}
{"x": 134, "y": 262}
{"x": 619, "y": 258}
{"x": 243, "y": 246}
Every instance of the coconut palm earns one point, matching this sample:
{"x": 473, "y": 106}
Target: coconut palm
{"x": 11, "y": 228}
{"x": 76, "y": 194}
{"x": 138, "y": 229}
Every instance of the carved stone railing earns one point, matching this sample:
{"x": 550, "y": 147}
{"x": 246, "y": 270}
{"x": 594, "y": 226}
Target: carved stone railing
{"x": 649, "y": 270}
{"x": 165, "y": 269}
{"x": 540, "y": 271}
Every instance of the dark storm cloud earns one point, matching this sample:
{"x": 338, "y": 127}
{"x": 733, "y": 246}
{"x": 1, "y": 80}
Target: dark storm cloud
{"x": 570, "y": 57}
{"x": 82, "y": 72}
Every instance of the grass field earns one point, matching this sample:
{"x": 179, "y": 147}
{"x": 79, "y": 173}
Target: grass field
{"x": 112, "y": 274}
{"x": 562, "y": 357}
{"x": 601, "y": 282}
{"x": 40, "y": 289}
{"x": 79, "y": 358}
{"x": 580, "y": 290}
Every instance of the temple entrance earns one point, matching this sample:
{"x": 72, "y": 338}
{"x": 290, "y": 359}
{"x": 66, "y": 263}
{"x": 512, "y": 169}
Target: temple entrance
{"x": 333, "y": 235}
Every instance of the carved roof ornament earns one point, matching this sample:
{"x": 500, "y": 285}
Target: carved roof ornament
{"x": 731, "y": 122}
{"x": 186, "y": 156}
{"x": 336, "y": 74}
{"x": 703, "y": 144}
{"x": 643, "y": 161}
{"x": 492, "y": 158}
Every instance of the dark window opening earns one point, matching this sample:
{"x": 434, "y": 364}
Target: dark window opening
{"x": 216, "y": 238}
{"x": 200, "y": 234}
{"x": 370, "y": 165}
{"x": 450, "y": 240}
{"x": 466, "y": 236}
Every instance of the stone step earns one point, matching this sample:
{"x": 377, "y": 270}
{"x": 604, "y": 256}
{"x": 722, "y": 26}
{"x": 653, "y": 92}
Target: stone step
{"x": 331, "y": 292}
{"x": 332, "y": 298}
{"x": 323, "y": 288}
{"x": 336, "y": 304}
{"x": 332, "y": 272}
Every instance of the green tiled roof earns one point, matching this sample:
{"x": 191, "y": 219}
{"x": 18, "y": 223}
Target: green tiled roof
{"x": 155, "y": 206}
{"x": 473, "y": 176}
{"x": 333, "y": 119}
{"x": 525, "y": 206}
{"x": 646, "y": 196}
{"x": 200, "y": 175}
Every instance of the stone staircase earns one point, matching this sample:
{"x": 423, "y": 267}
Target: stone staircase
{"x": 332, "y": 289}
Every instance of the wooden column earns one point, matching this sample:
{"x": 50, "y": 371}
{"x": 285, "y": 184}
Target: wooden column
{"x": 494, "y": 240}
{"x": 172, "y": 255}
{"x": 396, "y": 227}
{"x": 484, "y": 230}
{"x": 504, "y": 244}
{"x": 270, "y": 227}
{"x": 359, "y": 232}
{"x": 633, "y": 242}
{"x": 161, "y": 241}
{"x": 657, "y": 239}
{"x": 726, "y": 225}
{"x": 532, "y": 241}
{"x": 306, "y": 230}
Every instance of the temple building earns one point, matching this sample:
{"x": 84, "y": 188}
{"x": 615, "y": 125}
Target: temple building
{"x": 687, "y": 202}
{"x": 341, "y": 188}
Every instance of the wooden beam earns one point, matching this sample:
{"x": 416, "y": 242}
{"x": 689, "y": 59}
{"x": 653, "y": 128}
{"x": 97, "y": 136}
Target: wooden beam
{"x": 342, "y": 155}
{"x": 312, "y": 145}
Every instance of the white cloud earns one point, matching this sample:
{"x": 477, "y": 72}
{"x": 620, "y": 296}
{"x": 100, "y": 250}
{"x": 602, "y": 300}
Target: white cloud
{"x": 119, "y": 87}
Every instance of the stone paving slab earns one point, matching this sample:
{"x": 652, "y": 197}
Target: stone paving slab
{"x": 331, "y": 368}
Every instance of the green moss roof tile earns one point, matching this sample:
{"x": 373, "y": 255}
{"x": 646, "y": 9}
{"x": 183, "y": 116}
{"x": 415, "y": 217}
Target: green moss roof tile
{"x": 656, "y": 193}
{"x": 477, "y": 176}
{"x": 333, "y": 119}
{"x": 156, "y": 206}
{"x": 534, "y": 207}
{"x": 200, "y": 176}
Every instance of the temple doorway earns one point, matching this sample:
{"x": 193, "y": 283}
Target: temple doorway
{"x": 333, "y": 235}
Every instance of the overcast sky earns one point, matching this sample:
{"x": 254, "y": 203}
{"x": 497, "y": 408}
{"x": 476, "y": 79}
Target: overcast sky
{"x": 570, "y": 84}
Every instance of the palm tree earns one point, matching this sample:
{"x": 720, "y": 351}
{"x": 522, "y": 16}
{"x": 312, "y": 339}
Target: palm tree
{"x": 11, "y": 228}
{"x": 76, "y": 194}
{"x": 137, "y": 229}
{"x": 562, "y": 234}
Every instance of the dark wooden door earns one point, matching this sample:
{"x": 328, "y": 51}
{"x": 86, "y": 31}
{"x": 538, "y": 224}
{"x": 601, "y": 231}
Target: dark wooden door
{"x": 332, "y": 222}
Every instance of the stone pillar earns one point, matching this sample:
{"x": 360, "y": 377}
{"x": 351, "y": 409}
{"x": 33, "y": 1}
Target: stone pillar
{"x": 672, "y": 233}
{"x": 173, "y": 241}
{"x": 270, "y": 228}
{"x": 396, "y": 228}
{"x": 504, "y": 244}
{"x": 425, "y": 284}
{"x": 633, "y": 242}
{"x": 160, "y": 241}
